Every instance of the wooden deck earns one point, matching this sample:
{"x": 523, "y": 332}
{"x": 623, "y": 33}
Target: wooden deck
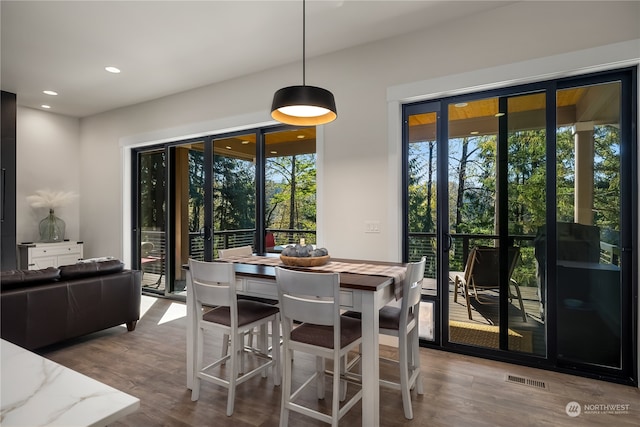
{"x": 485, "y": 317}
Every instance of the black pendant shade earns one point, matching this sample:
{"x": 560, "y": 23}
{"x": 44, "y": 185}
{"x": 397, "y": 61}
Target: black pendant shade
{"x": 303, "y": 106}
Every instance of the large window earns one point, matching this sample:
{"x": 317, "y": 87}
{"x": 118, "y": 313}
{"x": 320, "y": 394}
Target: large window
{"x": 527, "y": 193}
{"x": 194, "y": 197}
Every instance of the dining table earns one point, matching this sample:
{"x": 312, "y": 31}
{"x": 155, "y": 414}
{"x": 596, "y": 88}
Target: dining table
{"x": 365, "y": 287}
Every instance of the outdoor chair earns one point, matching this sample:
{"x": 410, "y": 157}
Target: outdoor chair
{"x": 482, "y": 273}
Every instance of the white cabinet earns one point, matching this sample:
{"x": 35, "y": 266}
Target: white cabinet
{"x": 35, "y": 256}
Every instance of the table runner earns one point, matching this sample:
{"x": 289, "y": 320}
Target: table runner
{"x": 397, "y": 273}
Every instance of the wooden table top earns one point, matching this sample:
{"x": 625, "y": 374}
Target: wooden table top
{"x": 347, "y": 280}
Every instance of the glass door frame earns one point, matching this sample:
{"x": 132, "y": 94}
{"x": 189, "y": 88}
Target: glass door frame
{"x": 433, "y": 298}
{"x": 628, "y": 374}
{"x": 170, "y": 191}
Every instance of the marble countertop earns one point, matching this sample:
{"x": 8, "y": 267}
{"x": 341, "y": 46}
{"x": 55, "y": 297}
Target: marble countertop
{"x": 39, "y": 392}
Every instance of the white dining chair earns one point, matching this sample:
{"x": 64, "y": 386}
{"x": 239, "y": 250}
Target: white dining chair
{"x": 213, "y": 285}
{"x": 402, "y": 322}
{"x": 314, "y": 300}
{"x": 239, "y": 251}
{"x": 233, "y": 252}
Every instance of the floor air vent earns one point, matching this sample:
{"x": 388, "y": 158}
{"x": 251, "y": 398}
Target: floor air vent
{"x": 527, "y": 381}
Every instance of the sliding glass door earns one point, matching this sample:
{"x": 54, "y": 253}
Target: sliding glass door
{"x": 496, "y": 175}
{"x": 535, "y": 221}
{"x": 194, "y": 197}
{"x": 589, "y": 230}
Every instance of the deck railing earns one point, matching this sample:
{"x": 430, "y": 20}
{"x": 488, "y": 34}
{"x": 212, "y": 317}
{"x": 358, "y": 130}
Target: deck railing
{"x": 420, "y": 244}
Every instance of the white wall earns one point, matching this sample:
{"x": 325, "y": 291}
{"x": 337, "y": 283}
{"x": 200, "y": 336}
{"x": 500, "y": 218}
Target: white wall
{"x": 357, "y": 179}
{"x": 48, "y": 157}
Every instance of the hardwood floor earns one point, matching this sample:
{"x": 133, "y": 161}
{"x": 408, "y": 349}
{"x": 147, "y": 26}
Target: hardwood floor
{"x": 149, "y": 363}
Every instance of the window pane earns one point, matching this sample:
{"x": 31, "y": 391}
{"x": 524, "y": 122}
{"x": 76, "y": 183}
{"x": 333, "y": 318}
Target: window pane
{"x": 152, "y": 218}
{"x": 290, "y": 187}
{"x": 234, "y": 191}
{"x": 588, "y": 227}
{"x": 421, "y": 193}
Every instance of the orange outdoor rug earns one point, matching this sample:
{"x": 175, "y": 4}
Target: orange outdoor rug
{"x": 487, "y": 336}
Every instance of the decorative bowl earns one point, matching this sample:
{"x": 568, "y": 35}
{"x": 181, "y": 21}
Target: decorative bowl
{"x": 304, "y": 261}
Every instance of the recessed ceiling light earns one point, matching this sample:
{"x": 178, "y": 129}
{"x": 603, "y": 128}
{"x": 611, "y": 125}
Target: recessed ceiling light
{"x": 228, "y": 147}
{"x": 245, "y": 142}
{"x": 460, "y": 104}
{"x": 474, "y": 132}
{"x": 46, "y": 106}
{"x": 50, "y": 92}
{"x": 499, "y": 114}
{"x": 274, "y": 152}
{"x": 112, "y": 70}
{"x": 300, "y": 136}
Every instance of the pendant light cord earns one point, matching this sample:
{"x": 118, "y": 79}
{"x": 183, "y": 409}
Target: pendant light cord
{"x": 304, "y": 32}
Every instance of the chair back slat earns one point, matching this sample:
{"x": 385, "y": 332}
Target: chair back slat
{"x": 213, "y": 283}
{"x": 308, "y": 309}
{"x": 412, "y": 285}
{"x": 309, "y": 297}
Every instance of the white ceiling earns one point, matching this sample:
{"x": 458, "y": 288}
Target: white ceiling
{"x": 166, "y": 47}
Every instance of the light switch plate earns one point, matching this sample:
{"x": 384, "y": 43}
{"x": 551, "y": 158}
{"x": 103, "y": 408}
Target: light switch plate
{"x": 371, "y": 226}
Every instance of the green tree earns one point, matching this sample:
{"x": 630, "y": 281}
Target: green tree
{"x": 152, "y": 190}
{"x": 291, "y": 192}
{"x": 233, "y": 194}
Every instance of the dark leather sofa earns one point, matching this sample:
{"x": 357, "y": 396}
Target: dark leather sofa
{"x": 44, "y": 307}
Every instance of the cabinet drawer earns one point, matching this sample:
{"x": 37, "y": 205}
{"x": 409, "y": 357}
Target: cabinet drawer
{"x": 55, "y": 251}
{"x": 43, "y": 262}
{"x": 265, "y": 288}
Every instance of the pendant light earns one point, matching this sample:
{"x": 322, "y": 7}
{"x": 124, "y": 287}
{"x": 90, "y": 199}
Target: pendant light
{"x": 303, "y": 105}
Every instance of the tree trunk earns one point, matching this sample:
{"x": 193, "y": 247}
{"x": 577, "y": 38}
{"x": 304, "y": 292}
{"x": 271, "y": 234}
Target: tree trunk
{"x": 462, "y": 175}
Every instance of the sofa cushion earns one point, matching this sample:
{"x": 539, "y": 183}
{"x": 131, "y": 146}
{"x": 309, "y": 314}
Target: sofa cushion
{"x": 11, "y": 279}
{"x": 86, "y": 269}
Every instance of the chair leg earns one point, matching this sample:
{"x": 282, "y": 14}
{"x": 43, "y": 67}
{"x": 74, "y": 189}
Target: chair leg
{"x": 519, "y": 295}
{"x": 415, "y": 340}
{"x": 195, "y": 390}
{"x": 343, "y": 383}
{"x": 337, "y": 387}
{"x": 237, "y": 349}
{"x": 403, "y": 361}
{"x": 275, "y": 351}
{"x": 225, "y": 347}
{"x": 320, "y": 376}
{"x": 466, "y": 295}
{"x": 456, "y": 282}
{"x": 263, "y": 344}
{"x": 286, "y": 388}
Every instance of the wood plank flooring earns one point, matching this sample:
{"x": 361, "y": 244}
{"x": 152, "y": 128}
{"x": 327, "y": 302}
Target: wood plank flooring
{"x": 149, "y": 363}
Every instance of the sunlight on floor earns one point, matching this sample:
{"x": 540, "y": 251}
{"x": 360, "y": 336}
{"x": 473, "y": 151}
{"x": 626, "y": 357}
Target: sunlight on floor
{"x": 173, "y": 312}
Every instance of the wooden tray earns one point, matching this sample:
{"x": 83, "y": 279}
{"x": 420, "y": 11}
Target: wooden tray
{"x": 304, "y": 261}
